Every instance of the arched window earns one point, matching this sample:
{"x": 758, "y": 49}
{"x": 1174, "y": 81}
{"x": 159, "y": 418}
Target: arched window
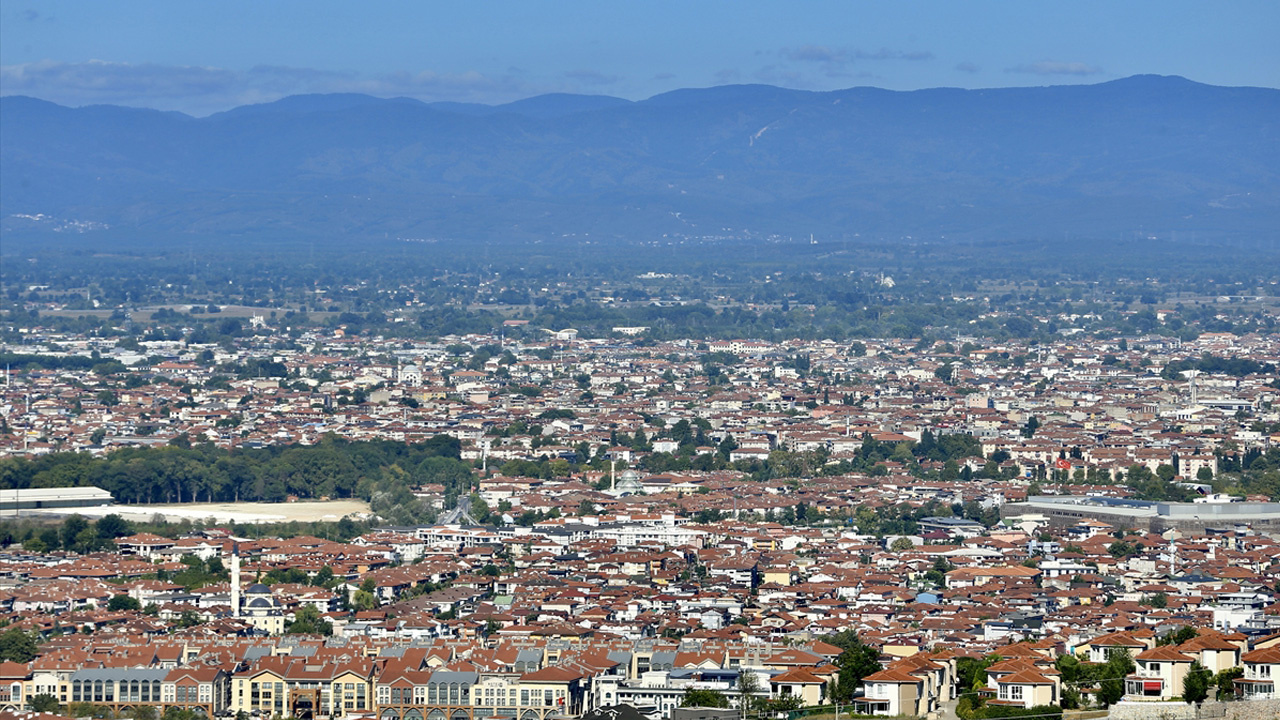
{"x": 453, "y": 693}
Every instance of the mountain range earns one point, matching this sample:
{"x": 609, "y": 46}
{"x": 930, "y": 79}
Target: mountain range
{"x": 1153, "y": 156}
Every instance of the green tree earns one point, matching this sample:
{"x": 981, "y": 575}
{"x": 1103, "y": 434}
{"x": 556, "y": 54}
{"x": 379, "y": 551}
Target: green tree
{"x": 173, "y": 712}
{"x": 701, "y": 697}
{"x": 71, "y": 529}
{"x": 189, "y": 618}
{"x": 123, "y": 602}
{"x": 971, "y": 673}
{"x": 1111, "y": 677}
{"x": 112, "y": 526}
{"x": 1177, "y": 637}
{"x": 902, "y": 544}
{"x": 364, "y": 600}
{"x": 308, "y": 621}
{"x": 1071, "y": 699}
{"x": 324, "y": 578}
{"x": 1195, "y": 685}
{"x": 748, "y": 691}
{"x": 856, "y": 661}
{"x": 1029, "y": 430}
{"x": 1225, "y": 681}
{"x": 1156, "y": 600}
{"x": 18, "y": 646}
{"x": 44, "y": 703}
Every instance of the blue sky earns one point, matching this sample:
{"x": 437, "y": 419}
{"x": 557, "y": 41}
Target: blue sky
{"x": 202, "y": 57}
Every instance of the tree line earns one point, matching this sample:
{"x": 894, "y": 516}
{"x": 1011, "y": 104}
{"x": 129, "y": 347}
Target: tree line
{"x": 379, "y": 471}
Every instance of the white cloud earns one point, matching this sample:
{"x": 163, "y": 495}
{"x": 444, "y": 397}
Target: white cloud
{"x": 1052, "y": 67}
{"x": 591, "y": 77}
{"x": 843, "y": 56}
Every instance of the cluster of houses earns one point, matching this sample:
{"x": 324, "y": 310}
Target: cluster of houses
{"x": 535, "y": 677}
{"x": 1099, "y": 406}
{"x": 635, "y": 587}
{"x": 575, "y": 614}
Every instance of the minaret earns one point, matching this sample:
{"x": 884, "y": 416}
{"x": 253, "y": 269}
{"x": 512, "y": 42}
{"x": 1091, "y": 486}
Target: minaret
{"x": 613, "y": 475}
{"x": 235, "y": 579}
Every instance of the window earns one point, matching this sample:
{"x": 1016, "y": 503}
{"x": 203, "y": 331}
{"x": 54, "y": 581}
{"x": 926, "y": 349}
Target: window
{"x": 1010, "y": 692}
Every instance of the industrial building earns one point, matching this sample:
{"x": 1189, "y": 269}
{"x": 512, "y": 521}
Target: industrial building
{"x": 13, "y": 502}
{"x": 1147, "y": 515}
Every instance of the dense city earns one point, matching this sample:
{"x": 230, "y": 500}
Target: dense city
{"x": 324, "y": 524}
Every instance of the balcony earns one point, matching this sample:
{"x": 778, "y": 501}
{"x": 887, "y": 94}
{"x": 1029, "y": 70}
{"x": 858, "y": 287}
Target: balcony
{"x": 1143, "y": 687}
{"x": 1256, "y": 688}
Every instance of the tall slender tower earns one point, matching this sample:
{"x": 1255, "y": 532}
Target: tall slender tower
{"x": 235, "y": 579}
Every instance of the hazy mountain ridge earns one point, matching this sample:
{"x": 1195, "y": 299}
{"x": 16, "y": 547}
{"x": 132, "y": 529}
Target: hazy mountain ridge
{"x": 1148, "y": 152}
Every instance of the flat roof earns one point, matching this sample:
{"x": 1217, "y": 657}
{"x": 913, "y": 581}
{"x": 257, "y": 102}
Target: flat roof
{"x": 67, "y": 493}
{"x": 1225, "y": 512}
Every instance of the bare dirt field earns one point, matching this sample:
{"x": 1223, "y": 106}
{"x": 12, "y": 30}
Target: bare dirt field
{"x": 247, "y": 513}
